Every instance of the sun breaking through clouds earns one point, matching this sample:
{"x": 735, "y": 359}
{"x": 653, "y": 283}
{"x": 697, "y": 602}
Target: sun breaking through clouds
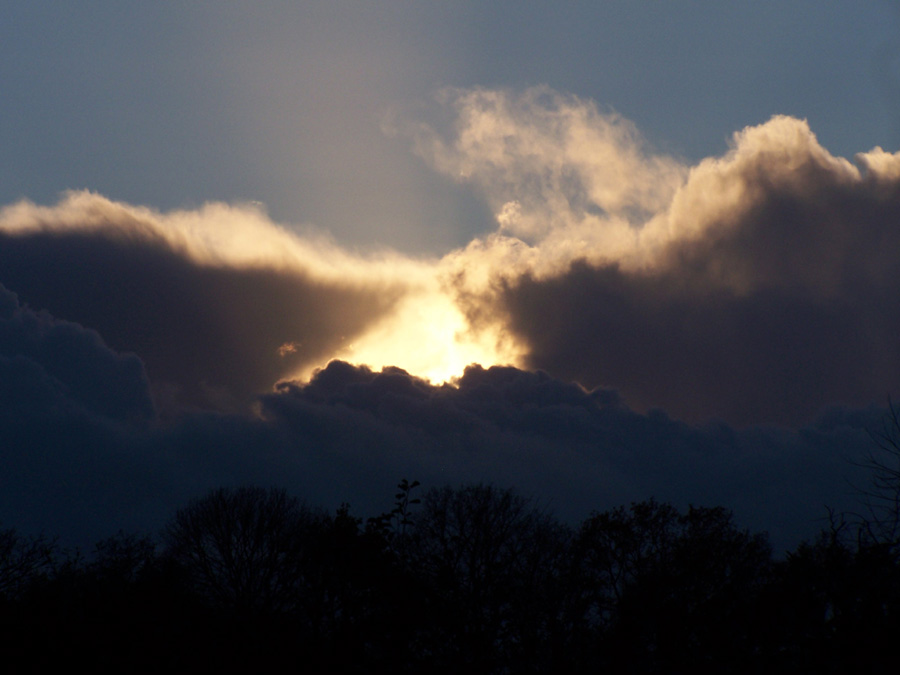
{"x": 679, "y": 312}
{"x": 750, "y": 286}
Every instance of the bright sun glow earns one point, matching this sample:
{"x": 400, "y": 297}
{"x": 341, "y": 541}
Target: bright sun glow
{"x": 428, "y": 336}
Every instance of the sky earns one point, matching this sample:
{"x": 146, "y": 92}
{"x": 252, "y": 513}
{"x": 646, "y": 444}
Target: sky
{"x": 597, "y": 252}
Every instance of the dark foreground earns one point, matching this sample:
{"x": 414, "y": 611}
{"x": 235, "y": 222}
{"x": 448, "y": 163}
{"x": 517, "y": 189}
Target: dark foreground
{"x": 476, "y": 579}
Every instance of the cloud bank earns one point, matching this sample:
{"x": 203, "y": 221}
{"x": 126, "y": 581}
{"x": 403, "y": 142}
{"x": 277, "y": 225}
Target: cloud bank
{"x": 82, "y": 455}
{"x": 638, "y": 326}
{"x": 754, "y": 287}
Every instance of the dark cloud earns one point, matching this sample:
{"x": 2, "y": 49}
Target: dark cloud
{"x": 776, "y": 300}
{"x": 82, "y": 455}
{"x": 208, "y": 334}
{"x": 760, "y": 292}
{"x": 84, "y": 467}
{"x": 81, "y": 452}
{"x": 68, "y": 407}
{"x": 48, "y": 363}
{"x": 577, "y": 450}
{"x": 766, "y": 356}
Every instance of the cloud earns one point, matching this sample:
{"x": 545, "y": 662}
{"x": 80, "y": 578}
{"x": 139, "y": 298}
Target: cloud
{"x": 207, "y": 298}
{"x": 750, "y": 287}
{"x": 220, "y": 302}
{"x": 578, "y": 450}
{"x": 47, "y": 362}
{"x": 83, "y": 455}
{"x": 754, "y": 287}
{"x": 555, "y": 169}
{"x": 351, "y": 432}
{"x": 68, "y": 405}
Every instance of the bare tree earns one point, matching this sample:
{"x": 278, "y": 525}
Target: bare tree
{"x": 881, "y": 521}
{"x": 22, "y": 560}
{"x": 244, "y": 547}
{"x": 667, "y": 591}
{"x": 491, "y": 560}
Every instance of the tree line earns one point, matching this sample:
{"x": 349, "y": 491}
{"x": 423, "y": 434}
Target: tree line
{"x": 475, "y": 577}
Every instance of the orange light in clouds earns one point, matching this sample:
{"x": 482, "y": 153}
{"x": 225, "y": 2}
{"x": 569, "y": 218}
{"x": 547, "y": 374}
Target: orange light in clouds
{"x": 428, "y": 336}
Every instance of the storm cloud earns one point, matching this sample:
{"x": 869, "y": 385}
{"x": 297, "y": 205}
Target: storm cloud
{"x": 754, "y": 287}
{"x": 83, "y": 453}
{"x": 635, "y": 326}
{"x": 84, "y": 464}
{"x": 52, "y": 363}
{"x": 779, "y": 303}
{"x": 216, "y": 315}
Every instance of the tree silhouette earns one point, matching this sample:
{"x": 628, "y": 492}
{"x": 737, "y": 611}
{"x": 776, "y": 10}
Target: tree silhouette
{"x": 665, "y": 590}
{"x": 393, "y": 526}
{"x": 490, "y": 560}
{"x": 881, "y": 522}
{"x": 835, "y": 607}
{"x": 22, "y": 560}
{"x": 245, "y": 548}
{"x": 475, "y": 578}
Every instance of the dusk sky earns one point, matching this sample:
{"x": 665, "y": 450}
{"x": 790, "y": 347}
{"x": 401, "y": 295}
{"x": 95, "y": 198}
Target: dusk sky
{"x": 262, "y": 242}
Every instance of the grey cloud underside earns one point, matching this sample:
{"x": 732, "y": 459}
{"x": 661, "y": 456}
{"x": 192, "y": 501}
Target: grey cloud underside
{"x": 578, "y": 450}
{"x": 785, "y": 305}
{"x": 209, "y": 336}
{"x": 69, "y": 410}
{"x": 82, "y": 470}
{"x": 48, "y": 363}
{"x": 764, "y": 357}
{"x": 83, "y": 457}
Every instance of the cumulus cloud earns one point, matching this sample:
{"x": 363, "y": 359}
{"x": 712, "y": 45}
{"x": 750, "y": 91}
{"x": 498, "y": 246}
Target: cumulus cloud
{"x": 82, "y": 455}
{"x": 556, "y": 170}
{"x": 220, "y": 302}
{"x": 67, "y": 402}
{"x": 755, "y": 286}
{"x": 351, "y": 432}
{"x": 578, "y": 450}
{"x": 545, "y": 160}
{"x": 207, "y": 298}
{"x": 48, "y": 362}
